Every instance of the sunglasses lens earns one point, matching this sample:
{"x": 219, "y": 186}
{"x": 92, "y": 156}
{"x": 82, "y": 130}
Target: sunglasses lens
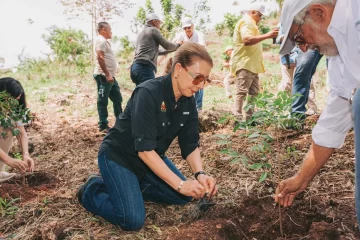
{"x": 198, "y": 79}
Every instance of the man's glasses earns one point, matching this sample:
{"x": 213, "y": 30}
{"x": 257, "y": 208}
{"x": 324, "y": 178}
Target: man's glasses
{"x": 295, "y": 39}
{"x": 186, "y": 28}
{"x": 199, "y": 78}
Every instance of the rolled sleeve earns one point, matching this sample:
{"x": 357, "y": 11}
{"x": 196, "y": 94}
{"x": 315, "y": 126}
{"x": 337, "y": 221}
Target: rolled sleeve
{"x": 189, "y": 135}
{"x": 334, "y": 123}
{"x": 101, "y": 45}
{"x": 247, "y": 30}
{"x": 143, "y": 120}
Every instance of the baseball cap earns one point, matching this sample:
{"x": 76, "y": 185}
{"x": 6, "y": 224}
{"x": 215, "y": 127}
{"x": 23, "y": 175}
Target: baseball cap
{"x": 186, "y": 22}
{"x": 152, "y": 16}
{"x": 290, "y": 9}
{"x": 257, "y": 6}
{"x": 228, "y": 48}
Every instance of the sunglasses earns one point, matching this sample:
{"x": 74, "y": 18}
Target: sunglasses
{"x": 199, "y": 78}
{"x": 186, "y": 28}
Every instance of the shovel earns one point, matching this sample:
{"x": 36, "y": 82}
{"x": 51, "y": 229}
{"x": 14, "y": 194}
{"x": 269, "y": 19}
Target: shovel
{"x": 198, "y": 210}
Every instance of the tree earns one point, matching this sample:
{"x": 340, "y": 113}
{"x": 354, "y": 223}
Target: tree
{"x": 69, "y": 45}
{"x": 99, "y": 10}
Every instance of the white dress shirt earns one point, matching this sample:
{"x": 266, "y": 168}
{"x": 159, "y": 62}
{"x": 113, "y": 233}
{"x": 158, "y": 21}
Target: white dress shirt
{"x": 344, "y": 75}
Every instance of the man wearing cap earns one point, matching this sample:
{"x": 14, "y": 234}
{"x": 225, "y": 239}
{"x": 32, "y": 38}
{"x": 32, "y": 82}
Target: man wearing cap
{"x": 147, "y": 45}
{"x": 246, "y": 62}
{"x": 191, "y": 35}
{"x": 333, "y": 28}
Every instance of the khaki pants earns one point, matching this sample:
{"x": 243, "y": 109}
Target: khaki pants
{"x": 227, "y": 82}
{"x": 286, "y": 85}
{"x": 246, "y": 83}
{"x": 5, "y": 145}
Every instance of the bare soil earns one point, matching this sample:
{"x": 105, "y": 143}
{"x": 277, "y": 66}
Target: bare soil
{"x": 65, "y": 150}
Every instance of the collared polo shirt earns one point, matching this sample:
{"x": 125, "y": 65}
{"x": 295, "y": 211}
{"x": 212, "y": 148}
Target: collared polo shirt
{"x": 246, "y": 57}
{"x": 344, "y": 75}
{"x": 151, "y": 120}
{"x": 110, "y": 60}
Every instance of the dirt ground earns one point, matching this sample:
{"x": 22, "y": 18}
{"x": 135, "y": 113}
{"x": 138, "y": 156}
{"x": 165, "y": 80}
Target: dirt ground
{"x": 65, "y": 150}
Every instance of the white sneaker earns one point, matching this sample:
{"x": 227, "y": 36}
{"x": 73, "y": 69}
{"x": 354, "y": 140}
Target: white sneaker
{"x": 5, "y": 176}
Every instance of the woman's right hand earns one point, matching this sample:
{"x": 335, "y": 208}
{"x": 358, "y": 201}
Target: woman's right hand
{"x": 19, "y": 164}
{"x": 192, "y": 188}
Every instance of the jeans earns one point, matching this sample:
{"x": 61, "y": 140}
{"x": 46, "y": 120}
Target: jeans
{"x": 199, "y": 99}
{"x": 305, "y": 69}
{"x": 107, "y": 90}
{"x": 140, "y": 73}
{"x": 119, "y": 197}
{"x": 356, "y": 116}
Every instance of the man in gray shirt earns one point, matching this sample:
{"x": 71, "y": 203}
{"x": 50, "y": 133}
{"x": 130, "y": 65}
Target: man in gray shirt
{"x": 104, "y": 75}
{"x": 148, "y": 41}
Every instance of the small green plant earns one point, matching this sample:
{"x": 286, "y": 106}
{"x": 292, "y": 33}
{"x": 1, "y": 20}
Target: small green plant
{"x": 11, "y": 113}
{"x": 271, "y": 115}
{"x": 7, "y": 207}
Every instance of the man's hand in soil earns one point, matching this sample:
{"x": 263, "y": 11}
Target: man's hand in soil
{"x": 193, "y": 189}
{"x": 109, "y": 78}
{"x": 15, "y": 163}
{"x": 288, "y": 189}
{"x": 29, "y": 161}
{"x": 209, "y": 184}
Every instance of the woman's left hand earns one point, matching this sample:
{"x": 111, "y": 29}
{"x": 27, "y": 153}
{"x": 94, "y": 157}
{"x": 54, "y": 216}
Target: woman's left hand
{"x": 209, "y": 183}
{"x": 29, "y": 161}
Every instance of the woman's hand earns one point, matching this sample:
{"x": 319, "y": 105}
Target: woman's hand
{"x": 29, "y": 162}
{"x": 15, "y": 163}
{"x": 193, "y": 189}
{"x": 209, "y": 184}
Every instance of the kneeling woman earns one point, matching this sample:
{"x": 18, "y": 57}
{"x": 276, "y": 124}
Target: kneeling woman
{"x": 132, "y": 157}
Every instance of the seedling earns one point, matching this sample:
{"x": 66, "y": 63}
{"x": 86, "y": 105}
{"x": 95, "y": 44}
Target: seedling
{"x": 7, "y": 207}
{"x": 205, "y": 203}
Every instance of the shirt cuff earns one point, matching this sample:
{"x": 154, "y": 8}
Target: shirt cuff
{"x": 327, "y": 138}
{"x": 189, "y": 149}
{"x": 142, "y": 144}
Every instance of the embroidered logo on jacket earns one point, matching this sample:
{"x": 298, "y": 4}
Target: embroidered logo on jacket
{"x": 163, "y": 107}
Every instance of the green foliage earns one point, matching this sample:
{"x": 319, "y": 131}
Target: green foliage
{"x": 148, "y": 6}
{"x": 263, "y": 29}
{"x": 127, "y": 48}
{"x": 69, "y": 46}
{"x": 7, "y": 207}
{"x": 272, "y": 111}
{"x": 11, "y": 113}
{"x": 229, "y": 23}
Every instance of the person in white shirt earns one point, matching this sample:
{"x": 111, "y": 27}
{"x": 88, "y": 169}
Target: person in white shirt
{"x": 333, "y": 28}
{"x": 104, "y": 75}
{"x": 191, "y": 35}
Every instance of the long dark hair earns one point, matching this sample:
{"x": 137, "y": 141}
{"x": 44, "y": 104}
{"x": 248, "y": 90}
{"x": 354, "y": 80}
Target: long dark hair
{"x": 14, "y": 88}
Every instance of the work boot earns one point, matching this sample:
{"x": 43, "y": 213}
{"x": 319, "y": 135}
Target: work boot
{"x": 81, "y": 189}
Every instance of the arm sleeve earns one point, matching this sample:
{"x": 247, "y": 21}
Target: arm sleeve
{"x": 201, "y": 39}
{"x": 100, "y": 45}
{"x": 178, "y": 37}
{"x": 189, "y": 134}
{"x": 334, "y": 123}
{"x": 167, "y": 45}
{"x": 143, "y": 120}
{"x": 246, "y": 30}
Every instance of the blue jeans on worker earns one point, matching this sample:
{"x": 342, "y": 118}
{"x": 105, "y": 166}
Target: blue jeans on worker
{"x": 199, "y": 99}
{"x": 140, "y": 72}
{"x": 107, "y": 90}
{"x": 306, "y": 64}
{"x": 118, "y": 196}
{"x": 356, "y": 116}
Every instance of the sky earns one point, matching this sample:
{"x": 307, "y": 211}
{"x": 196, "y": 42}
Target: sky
{"x": 18, "y": 34}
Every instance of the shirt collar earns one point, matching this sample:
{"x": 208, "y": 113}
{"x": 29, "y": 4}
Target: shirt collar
{"x": 169, "y": 91}
{"x": 250, "y": 18}
{"x": 338, "y": 19}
